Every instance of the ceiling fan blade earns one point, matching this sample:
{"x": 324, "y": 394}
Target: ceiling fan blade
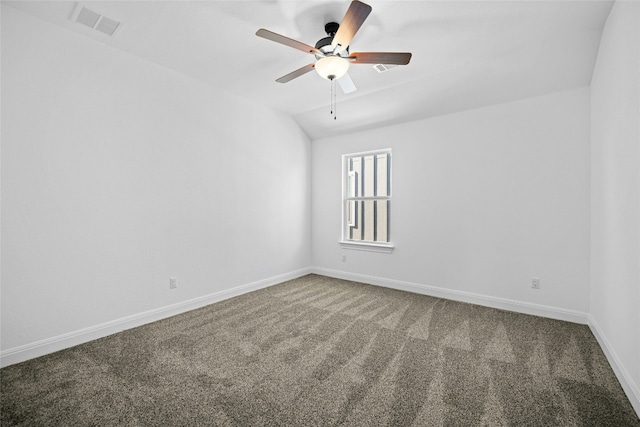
{"x": 346, "y": 84}
{"x": 390, "y": 58}
{"x": 297, "y": 73}
{"x": 275, "y": 37}
{"x": 351, "y": 23}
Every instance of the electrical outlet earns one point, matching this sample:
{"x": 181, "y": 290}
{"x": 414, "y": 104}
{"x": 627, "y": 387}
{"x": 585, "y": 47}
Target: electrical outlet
{"x": 535, "y": 283}
{"x": 344, "y": 258}
{"x": 173, "y": 282}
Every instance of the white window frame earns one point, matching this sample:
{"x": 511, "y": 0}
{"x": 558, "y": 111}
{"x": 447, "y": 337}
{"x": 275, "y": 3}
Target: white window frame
{"x": 350, "y": 178}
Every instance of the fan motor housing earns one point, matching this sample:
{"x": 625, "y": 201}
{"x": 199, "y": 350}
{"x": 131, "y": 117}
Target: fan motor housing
{"x": 324, "y": 44}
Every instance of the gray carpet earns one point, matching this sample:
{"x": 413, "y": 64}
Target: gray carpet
{"x": 317, "y": 351}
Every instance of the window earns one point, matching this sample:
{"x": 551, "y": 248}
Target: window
{"x": 367, "y": 199}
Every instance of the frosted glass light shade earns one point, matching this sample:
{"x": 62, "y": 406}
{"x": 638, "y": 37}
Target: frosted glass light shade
{"x": 332, "y": 67}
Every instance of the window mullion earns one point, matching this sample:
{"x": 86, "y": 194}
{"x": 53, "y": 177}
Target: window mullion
{"x": 369, "y": 198}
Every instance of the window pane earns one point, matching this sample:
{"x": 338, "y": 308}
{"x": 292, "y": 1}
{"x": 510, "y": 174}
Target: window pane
{"x": 368, "y": 220}
{"x": 355, "y": 231}
{"x": 352, "y": 217}
{"x": 355, "y": 167}
{"x": 352, "y": 184}
{"x": 382, "y": 214}
{"x": 368, "y": 176}
{"x": 382, "y": 176}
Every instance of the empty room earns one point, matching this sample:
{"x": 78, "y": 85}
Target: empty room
{"x": 320, "y": 213}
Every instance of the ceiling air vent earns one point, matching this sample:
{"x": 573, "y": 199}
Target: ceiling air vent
{"x": 381, "y": 68}
{"x": 94, "y": 20}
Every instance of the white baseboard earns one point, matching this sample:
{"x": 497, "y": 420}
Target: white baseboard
{"x": 484, "y": 300}
{"x": 60, "y": 342}
{"x": 631, "y": 389}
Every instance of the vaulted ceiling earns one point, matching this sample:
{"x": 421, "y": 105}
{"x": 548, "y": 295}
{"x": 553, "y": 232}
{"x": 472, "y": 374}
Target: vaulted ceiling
{"x": 466, "y": 54}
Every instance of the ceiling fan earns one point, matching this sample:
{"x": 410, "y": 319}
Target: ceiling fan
{"x": 332, "y": 53}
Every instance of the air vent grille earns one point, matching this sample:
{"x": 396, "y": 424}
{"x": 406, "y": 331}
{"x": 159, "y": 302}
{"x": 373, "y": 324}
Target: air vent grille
{"x": 380, "y": 68}
{"x": 88, "y": 17}
{"x": 94, "y": 20}
{"x": 107, "y": 26}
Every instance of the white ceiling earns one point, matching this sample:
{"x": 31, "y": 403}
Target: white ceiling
{"x": 466, "y": 54}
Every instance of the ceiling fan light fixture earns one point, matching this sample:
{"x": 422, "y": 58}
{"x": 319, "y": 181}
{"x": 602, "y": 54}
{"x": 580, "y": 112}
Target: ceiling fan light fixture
{"x": 332, "y": 67}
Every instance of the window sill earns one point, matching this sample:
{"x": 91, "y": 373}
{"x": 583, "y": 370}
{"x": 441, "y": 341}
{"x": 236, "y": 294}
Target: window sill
{"x": 369, "y": 247}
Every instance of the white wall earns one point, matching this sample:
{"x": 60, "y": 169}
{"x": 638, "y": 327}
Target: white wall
{"x": 483, "y": 200}
{"x": 118, "y": 173}
{"x": 615, "y": 194}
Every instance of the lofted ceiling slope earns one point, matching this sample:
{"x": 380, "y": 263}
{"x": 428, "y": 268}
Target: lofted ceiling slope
{"x": 466, "y": 54}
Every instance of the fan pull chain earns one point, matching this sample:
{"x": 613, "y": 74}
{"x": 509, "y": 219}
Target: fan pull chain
{"x": 335, "y": 104}
{"x": 333, "y": 98}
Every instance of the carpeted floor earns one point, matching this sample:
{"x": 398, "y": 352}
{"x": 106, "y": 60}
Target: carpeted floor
{"x": 317, "y": 351}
